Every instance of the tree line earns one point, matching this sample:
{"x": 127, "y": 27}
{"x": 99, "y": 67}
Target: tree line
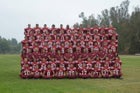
{"x": 127, "y": 25}
{"x": 9, "y": 46}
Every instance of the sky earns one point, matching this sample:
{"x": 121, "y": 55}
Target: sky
{"x": 16, "y": 14}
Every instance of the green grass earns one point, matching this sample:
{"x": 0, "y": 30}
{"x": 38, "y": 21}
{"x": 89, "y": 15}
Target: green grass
{"x": 10, "y": 81}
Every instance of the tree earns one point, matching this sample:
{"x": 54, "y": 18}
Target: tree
{"x": 9, "y": 46}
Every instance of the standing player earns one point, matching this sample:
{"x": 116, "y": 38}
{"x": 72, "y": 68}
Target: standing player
{"x": 37, "y": 30}
{"x": 27, "y": 30}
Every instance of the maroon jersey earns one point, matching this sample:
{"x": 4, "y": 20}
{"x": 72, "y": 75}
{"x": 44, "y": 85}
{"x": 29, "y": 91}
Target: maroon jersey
{"x": 36, "y": 72}
{"x": 67, "y": 56}
{"x": 37, "y": 30}
{"x": 102, "y": 54}
{"x": 48, "y": 73}
{"x": 79, "y": 66}
{"x": 26, "y": 73}
{"x": 116, "y": 72}
{"x": 77, "y": 55}
{"x": 71, "y": 71}
{"x": 89, "y": 65}
{"x": 53, "y": 66}
{"x": 36, "y": 55}
{"x": 51, "y": 55}
{"x": 92, "y": 55}
{"x": 45, "y": 30}
{"x": 60, "y": 72}
{"x": 84, "y": 73}
{"x": 27, "y": 31}
{"x": 84, "y": 56}
{"x": 59, "y": 56}
{"x": 105, "y": 71}
{"x": 43, "y": 66}
{"x": 96, "y": 73}
{"x": 113, "y": 47}
{"x": 110, "y": 56}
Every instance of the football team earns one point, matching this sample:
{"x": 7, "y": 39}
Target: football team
{"x": 90, "y": 52}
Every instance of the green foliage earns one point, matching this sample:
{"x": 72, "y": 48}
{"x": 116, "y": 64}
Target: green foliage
{"x": 127, "y": 25}
{"x": 9, "y": 46}
{"x": 10, "y": 82}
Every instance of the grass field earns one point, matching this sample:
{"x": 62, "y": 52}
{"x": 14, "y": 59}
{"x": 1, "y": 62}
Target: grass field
{"x": 10, "y": 81}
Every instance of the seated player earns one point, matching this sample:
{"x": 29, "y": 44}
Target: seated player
{"x": 89, "y": 65}
{"x": 25, "y": 70}
{"x": 43, "y": 65}
{"x": 62, "y": 48}
{"x": 36, "y": 71}
{"x": 84, "y": 72}
{"x": 114, "y": 39}
{"x": 96, "y": 47}
{"x": 59, "y": 55}
{"x": 118, "y": 62}
{"x": 85, "y": 53}
{"x": 82, "y": 43}
{"x": 66, "y": 44}
{"x": 58, "y": 42}
{"x": 113, "y": 46}
{"x": 79, "y": 65}
{"x": 107, "y": 61}
{"x": 68, "y": 55}
{"x": 52, "y": 54}
{"x": 92, "y": 54}
{"x": 44, "y": 53}
{"x": 90, "y": 43}
{"x": 116, "y": 71}
{"x": 24, "y": 61}
{"x": 36, "y": 53}
{"x": 48, "y": 73}
{"x": 60, "y": 71}
{"x": 110, "y": 54}
{"x": 102, "y": 54}
{"x": 50, "y": 44}
{"x": 106, "y": 72}
{"x": 105, "y": 45}
{"x": 77, "y": 53}
{"x": 97, "y": 69}
{"x": 71, "y": 71}
{"x": 53, "y": 64}
{"x": 23, "y": 53}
